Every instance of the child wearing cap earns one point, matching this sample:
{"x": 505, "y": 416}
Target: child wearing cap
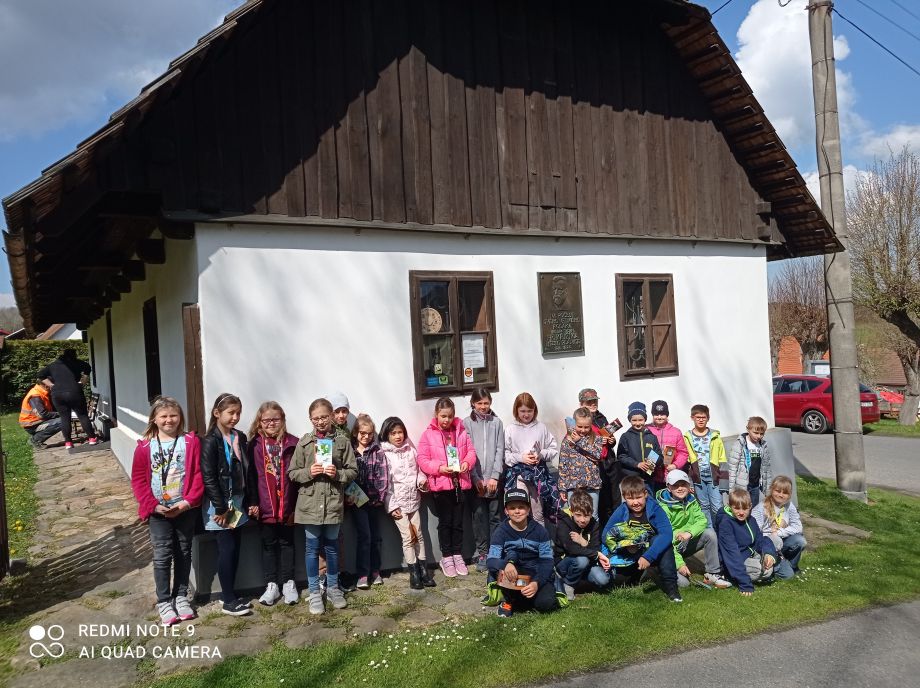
{"x": 341, "y": 412}
{"x": 750, "y": 462}
{"x": 749, "y": 555}
{"x": 691, "y": 532}
{"x": 638, "y": 451}
{"x": 609, "y": 468}
{"x": 671, "y": 441}
{"x": 520, "y": 546}
{"x": 638, "y": 536}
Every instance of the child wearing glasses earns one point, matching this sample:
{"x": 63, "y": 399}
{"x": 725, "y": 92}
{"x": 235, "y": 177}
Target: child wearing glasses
{"x": 271, "y": 447}
{"x": 372, "y": 480}
{"x": 323, "y": 464}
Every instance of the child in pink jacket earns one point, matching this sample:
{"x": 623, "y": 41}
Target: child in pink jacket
{"x": 446, "y": 456}
{"x": 668, "y": 436}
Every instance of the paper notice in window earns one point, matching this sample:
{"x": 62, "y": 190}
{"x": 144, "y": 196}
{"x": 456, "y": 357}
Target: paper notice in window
{"x": 474, "y": 351}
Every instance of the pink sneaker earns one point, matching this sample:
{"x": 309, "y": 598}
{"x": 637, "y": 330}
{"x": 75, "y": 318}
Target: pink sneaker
{"x": 447, "y": 566}
{"x": 460, "y": 565}
{"x": 68, "y": 445}
{"x": 92, "y": 440}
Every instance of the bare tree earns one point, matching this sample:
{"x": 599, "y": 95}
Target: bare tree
{"x": 883, "y": 212}
{"x": 797, "y": 307}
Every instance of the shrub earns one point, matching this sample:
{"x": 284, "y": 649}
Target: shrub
{"x": 20, "y": 361}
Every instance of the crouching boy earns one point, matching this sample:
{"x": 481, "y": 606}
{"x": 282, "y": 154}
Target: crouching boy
{"x": 639, "y": 535}
{"x": 577, "y": 546}
{"x": 748, "y": 554}
{"x": 520, "y": 561}
{"x": 691, "y": 532}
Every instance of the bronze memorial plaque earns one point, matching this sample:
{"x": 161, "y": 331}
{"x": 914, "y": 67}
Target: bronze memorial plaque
{"x": 561, "y": 322}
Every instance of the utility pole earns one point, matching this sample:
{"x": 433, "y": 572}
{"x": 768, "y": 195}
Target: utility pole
{"x": 838, "y": 287}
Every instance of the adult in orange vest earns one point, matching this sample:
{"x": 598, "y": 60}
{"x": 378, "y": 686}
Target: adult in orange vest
{"x": 37, "y": 416}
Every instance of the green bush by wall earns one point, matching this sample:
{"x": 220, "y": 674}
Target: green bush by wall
{"x": 20, "y": 361}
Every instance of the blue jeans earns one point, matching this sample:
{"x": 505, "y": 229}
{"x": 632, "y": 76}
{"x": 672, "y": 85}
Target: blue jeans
{"x": 327, "y": 537}
{"x": 572, "y": 570}
{"x": 791, "y": 550}
{"x": 595, "y": 498}
{"x": 367, "y": 554}
{"x": 710, "y": 500}
{"x": 755, "y": 495}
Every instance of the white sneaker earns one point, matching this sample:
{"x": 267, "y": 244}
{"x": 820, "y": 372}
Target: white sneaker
{"x": 717, "y": 581}
{"x": 289, "y": 590}
{"x": 271, "y": 595}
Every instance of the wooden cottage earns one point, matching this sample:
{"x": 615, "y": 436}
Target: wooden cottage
{"x": 406, "y": 199}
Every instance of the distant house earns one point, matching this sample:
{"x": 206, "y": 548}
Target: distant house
{"x": 368, "y": 197}
{"x": 59, "y": 331}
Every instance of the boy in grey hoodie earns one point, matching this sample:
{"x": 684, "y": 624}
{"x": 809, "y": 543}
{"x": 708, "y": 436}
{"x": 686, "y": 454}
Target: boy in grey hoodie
{"x": 488, "y": 435}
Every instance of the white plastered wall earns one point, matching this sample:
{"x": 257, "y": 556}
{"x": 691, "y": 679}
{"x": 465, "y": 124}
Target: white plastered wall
{"x": 291, "y": 313}
{"x": 173, "y": 284}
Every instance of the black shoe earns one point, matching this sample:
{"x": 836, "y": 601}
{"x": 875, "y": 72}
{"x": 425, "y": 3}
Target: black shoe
{"x": 415, "y": 577}
{"x": 426, "y": 577}
{"x": 236, "y": 608}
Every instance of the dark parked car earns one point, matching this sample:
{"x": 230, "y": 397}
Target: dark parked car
{"x": 805, "y": 401}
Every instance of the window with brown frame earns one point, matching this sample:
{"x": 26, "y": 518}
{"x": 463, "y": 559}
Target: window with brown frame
{"x": 646, "y": 331}
{"x": 453, "y": 332}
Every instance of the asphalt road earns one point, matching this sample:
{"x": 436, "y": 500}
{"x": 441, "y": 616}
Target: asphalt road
{"x": 873, "y": 648}
{"x": 890, "y": 461}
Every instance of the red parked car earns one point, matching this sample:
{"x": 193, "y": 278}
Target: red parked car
{"x": 805, "y": 401}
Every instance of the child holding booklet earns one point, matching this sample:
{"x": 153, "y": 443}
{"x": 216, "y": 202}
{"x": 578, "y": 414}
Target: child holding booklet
{"x": 271, "y": 447}
{"x": 529, "y": 446}
{"x": 446, "y": 456}
{"x": 638, "y": 451}
{"x": 324, "y": 463}
{"x": 230, "y": 488}
{"x": 366, "y": 495}
{"x": 402, "y": 500}
{"x": 166, "y": 480}
{"x": 779, "y": 520}
{"x": 671, "y": 441}
{"x": 580, "y": 457}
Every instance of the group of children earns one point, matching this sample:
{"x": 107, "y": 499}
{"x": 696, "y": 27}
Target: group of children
{"x": 659, "y": 491}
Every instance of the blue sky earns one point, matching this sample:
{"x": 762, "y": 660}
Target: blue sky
{"x": 58, "y": 85}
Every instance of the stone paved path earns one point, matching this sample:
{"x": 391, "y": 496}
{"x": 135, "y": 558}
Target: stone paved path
{"x": 90, "y": 564}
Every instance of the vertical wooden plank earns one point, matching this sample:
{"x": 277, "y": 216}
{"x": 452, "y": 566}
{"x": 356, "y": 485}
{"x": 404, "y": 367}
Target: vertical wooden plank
{"x": 207, "y": 133}
{"x": 679, "y": 134}
{"x": 416, "y": 132}
{"x": 633, "y": 164}
{"x": 248, "y": 94}
{"x": 328, "y": 102}
{"x": 587, "y": 97}
{"x": 511, "y": 116}
{"x": 541, "y": 70}
{"x": 351, "y": 137}
{"x": 459, "y": 63}
{"x": 438, "y": 113}
{"x": 271, "y": 105}
{"x": 561, "y": 116}
{"x": 182, "y": 110}
{"x": 607, "y": 123}
{"x": 655, "y": 101}
{"x": 383, "y": 112}
{"x": 194, "y": 385}
{"x": 485, "y": 194}
{"x": 295, "y": 106}
{"x": 225, "y": 124}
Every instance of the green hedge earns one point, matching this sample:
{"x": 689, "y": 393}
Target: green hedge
{"x": 21, "y": 360}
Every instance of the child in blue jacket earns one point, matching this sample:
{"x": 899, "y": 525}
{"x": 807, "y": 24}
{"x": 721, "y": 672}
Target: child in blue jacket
{"x": 747, "y": 554}
{"x": 639, "y": 535}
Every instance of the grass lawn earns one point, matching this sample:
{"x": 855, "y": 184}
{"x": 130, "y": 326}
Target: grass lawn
{"x": 605, "y": 630}
{"x": 888, "y": 426}
{"x": 22, "y": 507}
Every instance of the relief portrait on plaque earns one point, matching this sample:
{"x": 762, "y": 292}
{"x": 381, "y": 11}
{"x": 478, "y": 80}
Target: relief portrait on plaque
{"x": 561, "y": 318}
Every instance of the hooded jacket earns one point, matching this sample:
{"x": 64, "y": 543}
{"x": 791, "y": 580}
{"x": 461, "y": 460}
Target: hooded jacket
{"x": 432, "y": 454}
{"x": 521, "y": 439}
{"x": 717, "y": 462}
{"x": 372, "y": 472}
{"x": 579, "y": 462}
{"x": 320, "y": 499}
{"x": 488, "y": 437}
{"x": 564, "y": 546}
{"x": 668, "y": 435}
{"x": 624, "y": 531}
{"x": 192, "y": 486}
{"x": 530, "y": 551}
{"x": 222, "y": 479}
{"x": 739, "y": 463}
{"x": 634, "y": 447}
{"x": 686, "y": 516}
{"x": 277, "y": 494}
{"x": 404, "y": 478}
{"x": 740, "y": 540}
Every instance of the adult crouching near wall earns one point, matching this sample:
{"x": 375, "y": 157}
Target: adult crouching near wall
{"x": 37, "y": 415}
{"x": 69, "y": 374}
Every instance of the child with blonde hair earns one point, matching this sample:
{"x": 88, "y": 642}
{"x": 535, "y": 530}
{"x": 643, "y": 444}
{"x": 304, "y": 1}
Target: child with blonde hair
{"x": 750, "y": 462}
{"x": 779, "y": 520}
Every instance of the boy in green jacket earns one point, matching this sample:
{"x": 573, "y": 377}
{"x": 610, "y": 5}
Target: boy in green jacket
{"x": 691, "y": 532}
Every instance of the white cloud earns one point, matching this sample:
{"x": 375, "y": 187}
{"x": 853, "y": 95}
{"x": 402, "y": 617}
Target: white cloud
{"x": 66, "y": 62}
{"x": 775, "y": 58}
{"x": 7, "y": 300}
{"x": 879, "y": 145}
{"x": 850, "y": 174}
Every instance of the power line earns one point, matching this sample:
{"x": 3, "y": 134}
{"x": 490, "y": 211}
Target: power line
{"x": 915, "y": 16}
{"x": 890, "y": 21}
{"x": 878, "y": 43}
{"x": 724, "y": 4}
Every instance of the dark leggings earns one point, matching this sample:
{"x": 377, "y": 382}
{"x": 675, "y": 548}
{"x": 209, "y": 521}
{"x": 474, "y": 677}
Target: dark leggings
{"x": 543, "y": 601}
{"x": 228, "y": 557}
{"x": 277, "y": 553}
{"x": 66, "y": 402}
{"x": 450, "y": 521}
